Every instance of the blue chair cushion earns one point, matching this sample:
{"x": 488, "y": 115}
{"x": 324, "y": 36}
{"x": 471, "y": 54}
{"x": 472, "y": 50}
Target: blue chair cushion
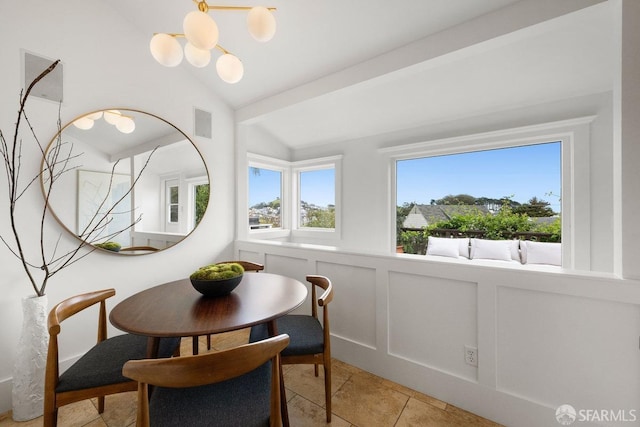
{"x": 305, "y": 333}
{"x": 241, "y": 401}
{"x": 102, "y": 365}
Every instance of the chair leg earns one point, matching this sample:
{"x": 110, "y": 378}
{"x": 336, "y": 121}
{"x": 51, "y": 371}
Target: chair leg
{"x": 315, "y": 369}
{"x": 327, "y": 389}
{"x": 50, "y": 418}
{"x": 101, "y": 405}
{"x": 194, "y": 346}
{"x": 208, "y": 342}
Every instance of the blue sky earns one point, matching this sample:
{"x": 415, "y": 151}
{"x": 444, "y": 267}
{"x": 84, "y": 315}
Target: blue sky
{"x": 521, "y": 172}
{"x": 317, "y": 186}
{"x": 263, "y": 186}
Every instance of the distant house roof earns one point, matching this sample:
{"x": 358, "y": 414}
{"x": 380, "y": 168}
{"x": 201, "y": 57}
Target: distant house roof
{"x": 422, "y": 216}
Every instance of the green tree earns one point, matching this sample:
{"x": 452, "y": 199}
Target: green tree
{"x": 202, "y": 200}
{"x": 535, "y": 208}
{"x": 321, "y": 218}
{"x": 275, "y": 204}
{"x": 460, "y": 199}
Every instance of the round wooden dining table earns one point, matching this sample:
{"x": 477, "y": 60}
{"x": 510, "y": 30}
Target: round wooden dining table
{"x": 176, "y": 309}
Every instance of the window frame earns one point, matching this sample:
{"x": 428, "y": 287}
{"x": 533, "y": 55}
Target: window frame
{"x": 290, "y": 201}
{"x": 333, "y": 162}
{"x": 192, "y": 183}
{"x": 165, "y": 183}
{"x": 284, "y": 167}
{"x": 575, "y": 168}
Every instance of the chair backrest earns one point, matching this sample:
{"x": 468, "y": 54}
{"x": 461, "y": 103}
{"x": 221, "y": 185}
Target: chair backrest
{"x": 208, "y": 368}
{"x": 325, "y": 298}
{"x": 63, "y": 311}
{"x": 247, "y": 265}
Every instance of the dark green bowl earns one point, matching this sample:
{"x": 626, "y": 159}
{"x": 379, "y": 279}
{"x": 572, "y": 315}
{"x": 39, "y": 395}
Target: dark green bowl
{"x": 216, "y": 288}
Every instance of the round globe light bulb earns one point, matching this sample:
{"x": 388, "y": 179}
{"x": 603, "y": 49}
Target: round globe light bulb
{"x": 197, "y": 57}
{"x": 229, "y": 68}
{"x": 112, "y": 116}
{"x": 125, "y": 124}
{"x": 84, "y": 123}
{"x": 95, "y": 116}
{"x": 166, "y": 50}
{"x": 200, "y": 29}
{"x": 261, "y": 23}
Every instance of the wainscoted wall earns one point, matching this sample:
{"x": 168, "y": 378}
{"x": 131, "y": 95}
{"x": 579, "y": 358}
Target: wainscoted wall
{"x": 544, "y": 338}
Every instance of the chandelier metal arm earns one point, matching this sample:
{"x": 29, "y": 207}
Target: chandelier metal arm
{"x": 223, "y": 50}
{"x": 203, "y": 7}
{"x": 238, "y": 8}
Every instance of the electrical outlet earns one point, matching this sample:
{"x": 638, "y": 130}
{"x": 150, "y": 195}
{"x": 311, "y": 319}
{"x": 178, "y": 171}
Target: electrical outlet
{"x": 471, "y": 355}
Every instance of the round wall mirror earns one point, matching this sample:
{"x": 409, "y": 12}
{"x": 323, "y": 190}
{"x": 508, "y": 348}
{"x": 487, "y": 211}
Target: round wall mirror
{"x": 125, "y": 181}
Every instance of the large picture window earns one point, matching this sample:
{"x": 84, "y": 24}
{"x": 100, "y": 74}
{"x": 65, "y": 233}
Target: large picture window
{"x": 511, "y": 193}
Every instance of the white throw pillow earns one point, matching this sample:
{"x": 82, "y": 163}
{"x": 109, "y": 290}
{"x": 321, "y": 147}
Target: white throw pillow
{"x": 541, "y": 253}
{"x": 514, "y": 245}
{"x": 444, "y": 246}
{"x": 491, "y": 249}
{"x": 463, "y": 246}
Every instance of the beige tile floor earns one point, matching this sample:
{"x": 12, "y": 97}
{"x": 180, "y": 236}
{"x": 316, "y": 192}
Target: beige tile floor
{"x": 359, "y": 399}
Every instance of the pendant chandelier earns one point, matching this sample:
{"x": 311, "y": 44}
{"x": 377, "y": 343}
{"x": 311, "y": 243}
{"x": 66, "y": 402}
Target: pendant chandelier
{"x": 201, "y": 33}
{"x": 122, "y": 122}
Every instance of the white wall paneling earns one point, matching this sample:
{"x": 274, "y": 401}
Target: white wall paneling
{"x": 357, "y": 288}
{"x": 544, "y": 338}
{"x": 424, "y": 310}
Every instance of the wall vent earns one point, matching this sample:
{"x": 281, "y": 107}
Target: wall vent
{"x": 49, "y": 87}
{"x": 202, "y": 123}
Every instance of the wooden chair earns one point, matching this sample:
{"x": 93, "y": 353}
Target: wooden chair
{"x": 248, "y": 266}
{"x": 99, "y": 371}
{"x": 310, "y": 340}
{"x": 235, "y": 387}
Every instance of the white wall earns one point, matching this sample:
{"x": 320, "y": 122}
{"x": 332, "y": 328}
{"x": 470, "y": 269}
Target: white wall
{"x": 106, "y": 64}
{"x": 545, "y": 338}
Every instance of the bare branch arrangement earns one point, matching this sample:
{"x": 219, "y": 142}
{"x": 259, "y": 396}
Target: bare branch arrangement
{"x": 55, "y": 163}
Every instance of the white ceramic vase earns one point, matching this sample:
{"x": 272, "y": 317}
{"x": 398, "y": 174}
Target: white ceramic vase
{"x": 31, "y": 358}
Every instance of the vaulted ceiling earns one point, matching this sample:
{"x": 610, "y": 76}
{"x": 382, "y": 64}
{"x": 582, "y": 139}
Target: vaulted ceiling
{"x": 338, "y": 70}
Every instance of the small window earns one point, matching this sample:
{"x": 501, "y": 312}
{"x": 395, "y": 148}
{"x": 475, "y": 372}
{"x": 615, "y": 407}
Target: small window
{"x": 265, "y": 198}
{"x": 173, "y": 202}
{"x": 317, "y": 199}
